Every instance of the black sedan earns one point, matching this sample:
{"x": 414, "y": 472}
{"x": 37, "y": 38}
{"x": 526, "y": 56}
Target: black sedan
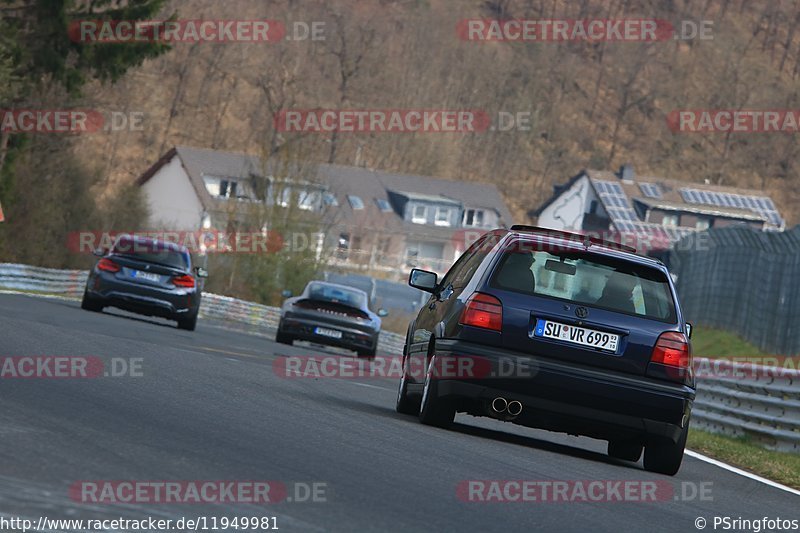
{"x": 146, "y": 276}
{"x": 331, "y": 314}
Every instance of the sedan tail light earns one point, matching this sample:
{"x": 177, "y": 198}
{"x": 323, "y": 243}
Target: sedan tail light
{"x": 672, "y": 349}
{"x": 184, "y": 281}
{"x": 108, "y": 265}
{"x": 483, "y": 311}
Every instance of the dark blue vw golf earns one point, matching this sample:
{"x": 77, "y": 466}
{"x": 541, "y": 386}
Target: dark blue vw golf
{"x": 558, "y": 331}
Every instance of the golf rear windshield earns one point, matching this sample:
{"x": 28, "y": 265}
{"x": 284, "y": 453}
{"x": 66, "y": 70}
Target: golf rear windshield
{"x": 589, "y": 279}
{"x": 152, "y": 252}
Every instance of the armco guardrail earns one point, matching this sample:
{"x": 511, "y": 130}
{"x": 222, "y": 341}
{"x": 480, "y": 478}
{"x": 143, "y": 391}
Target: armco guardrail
{"x": 51, "y": 280}
{"x": 742, "y": 399}
{"x": 736, "y": 399}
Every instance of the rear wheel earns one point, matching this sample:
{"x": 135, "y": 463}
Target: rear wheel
{"x": 627, "y": 450}
{"x": 405, "y": 404}
{"x": 665, "y": 456}
{"x": 90, "y": 304}
{"x": 188, "y": 323}
{"x": 368, "y": 354}
{"x": 435, "y": 411}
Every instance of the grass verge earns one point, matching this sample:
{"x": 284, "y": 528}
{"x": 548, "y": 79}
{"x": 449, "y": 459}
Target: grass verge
{"x": 715, "y": 343}
{"x": 782, "y": 467}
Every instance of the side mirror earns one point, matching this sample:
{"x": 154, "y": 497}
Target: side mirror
{"x": 99, "y": 252}
{"x": 286, "y": 293}
{"x": 201, "y": 272}
{"x": 689, "y": 329}
{"x": 423, "y": 280}
{"x": 382, "y": 312}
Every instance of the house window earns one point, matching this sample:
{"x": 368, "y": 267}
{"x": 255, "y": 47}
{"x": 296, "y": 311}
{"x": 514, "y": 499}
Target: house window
{"x": 473, "y": 218}
{"x": 383, "y": 205}
{"x": 702, "y": 224}
{"x": 670, "y": 221}
{"x": 330, "y": 199}
{"x": 420, "y": 214}
{"x": 355, "y": 202}
{"x": 442, "y": 216}
{"x": 307, "y": 200}
{"x": 286, "y": 197}
{"x": 227, "y": 189}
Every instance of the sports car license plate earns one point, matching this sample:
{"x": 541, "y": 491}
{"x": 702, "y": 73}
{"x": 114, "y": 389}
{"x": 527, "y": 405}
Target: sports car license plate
{"x": 138, "y": 274}
{"x": 325, "y": 332}
{"x": 576, "y": 335}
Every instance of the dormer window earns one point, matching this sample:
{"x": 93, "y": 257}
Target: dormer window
{"x": 420, "y": 214}
{"x": 473, "y": 218}
{"x": 442, "y": 216}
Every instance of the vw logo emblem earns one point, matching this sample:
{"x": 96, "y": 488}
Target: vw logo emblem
{"x": 581, "y": 312}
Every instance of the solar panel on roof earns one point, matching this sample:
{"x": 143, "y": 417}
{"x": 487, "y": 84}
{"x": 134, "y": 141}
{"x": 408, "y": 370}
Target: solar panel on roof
{"x": 650, "y": 190}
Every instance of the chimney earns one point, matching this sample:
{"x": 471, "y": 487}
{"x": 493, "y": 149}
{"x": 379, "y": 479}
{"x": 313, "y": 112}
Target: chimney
{"x": 626, "y": 173}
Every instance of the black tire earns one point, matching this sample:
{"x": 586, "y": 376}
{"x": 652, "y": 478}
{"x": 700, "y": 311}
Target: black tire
{"x": 188, "y": 323}
{"x": 283, "y": 338}
{"x": 367, "y": 354}
{"x": 406, "y": 405}
{"x": 664, "y": 456}
{"x": 90, "y": 304}
{"x": 627, "y": 450}
{"x": 435, "y": 411}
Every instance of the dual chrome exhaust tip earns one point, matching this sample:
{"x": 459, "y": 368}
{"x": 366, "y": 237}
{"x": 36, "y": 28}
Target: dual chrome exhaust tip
{"x": 505, "y": 409}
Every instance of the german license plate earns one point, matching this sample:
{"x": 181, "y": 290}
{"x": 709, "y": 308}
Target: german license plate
{"x": 149, "y": 276}
{"x": 325, "y": 332}
{"x": 576, "y": 335}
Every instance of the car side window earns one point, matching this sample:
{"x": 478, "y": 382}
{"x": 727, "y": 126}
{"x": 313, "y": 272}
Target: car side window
{"x": 466, "y": 265}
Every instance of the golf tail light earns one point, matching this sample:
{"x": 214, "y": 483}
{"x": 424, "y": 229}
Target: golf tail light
{"x": 483, "y": 311}
{"x": 672, "y": 349}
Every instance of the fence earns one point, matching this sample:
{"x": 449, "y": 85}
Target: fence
{"x": 743, "y": 280}
{"x": 732, "y": 398}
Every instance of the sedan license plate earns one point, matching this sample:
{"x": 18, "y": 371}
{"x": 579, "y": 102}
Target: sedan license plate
{"x": 325, "y": 332}
{"x": 576, "y": 335}
{"x": 138, "y": 274}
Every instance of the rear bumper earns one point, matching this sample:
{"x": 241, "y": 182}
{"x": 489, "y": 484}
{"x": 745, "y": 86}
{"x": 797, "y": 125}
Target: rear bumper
{"x": 569, "y": 398}
{"x": 352, "y": 339}
{"x": 141, "y": 299}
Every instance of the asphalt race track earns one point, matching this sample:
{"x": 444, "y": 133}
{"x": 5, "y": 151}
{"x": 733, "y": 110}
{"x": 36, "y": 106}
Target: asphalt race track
{"x": 208, "y": 406}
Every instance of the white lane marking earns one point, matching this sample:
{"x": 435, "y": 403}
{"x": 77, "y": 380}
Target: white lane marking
{"x": 41, "y": 295}
{"x": 741, "y": 472}
{"x": 367, "y": 385}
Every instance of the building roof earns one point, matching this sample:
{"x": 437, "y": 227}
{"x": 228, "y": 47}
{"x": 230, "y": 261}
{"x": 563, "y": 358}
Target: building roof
{"x": 619, "y": 199}
{"x": 714, "y": 211}
{"x": 343, "y": 181}
{"x": 700, "y": 198}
